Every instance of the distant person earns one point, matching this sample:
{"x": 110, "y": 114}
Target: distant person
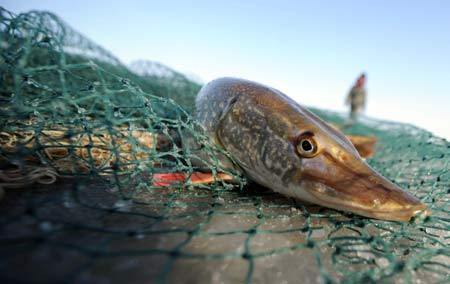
{"x": 357, "y": 97}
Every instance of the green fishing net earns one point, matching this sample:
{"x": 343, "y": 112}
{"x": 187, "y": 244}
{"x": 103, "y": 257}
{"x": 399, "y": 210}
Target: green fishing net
{"x": 82, "y": 141}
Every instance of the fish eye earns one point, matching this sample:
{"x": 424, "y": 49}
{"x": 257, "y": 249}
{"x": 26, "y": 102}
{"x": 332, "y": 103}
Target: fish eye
{"x": 306, "y": 145}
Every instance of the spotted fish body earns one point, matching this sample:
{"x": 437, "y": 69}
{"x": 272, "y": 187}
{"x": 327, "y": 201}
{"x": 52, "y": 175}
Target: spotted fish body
{"x": 261, "y": 128}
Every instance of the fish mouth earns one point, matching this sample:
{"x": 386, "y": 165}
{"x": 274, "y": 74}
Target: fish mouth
{"x": 343, "y": 181}
{"x": 400, "y": 206}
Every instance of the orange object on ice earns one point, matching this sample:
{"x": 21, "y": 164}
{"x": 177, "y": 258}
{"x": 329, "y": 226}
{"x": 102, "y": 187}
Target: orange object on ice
{"x": 166, "y": 179}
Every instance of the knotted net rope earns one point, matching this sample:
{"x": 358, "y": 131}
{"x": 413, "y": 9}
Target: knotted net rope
{"x": 82, "y": 138}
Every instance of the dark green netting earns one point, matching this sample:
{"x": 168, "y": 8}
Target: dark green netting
{"x": 71, "y": 111}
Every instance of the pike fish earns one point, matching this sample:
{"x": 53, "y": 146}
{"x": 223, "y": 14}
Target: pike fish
{"x": 281, "y": 145}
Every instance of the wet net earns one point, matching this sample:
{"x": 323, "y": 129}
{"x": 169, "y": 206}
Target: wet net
{"x": 83, "y": 138}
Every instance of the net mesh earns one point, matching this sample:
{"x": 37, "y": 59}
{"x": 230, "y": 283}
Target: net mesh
{"x": 82, "y": 138}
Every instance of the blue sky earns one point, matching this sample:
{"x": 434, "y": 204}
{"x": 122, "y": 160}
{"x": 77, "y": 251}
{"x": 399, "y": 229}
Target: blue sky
{"x": 311, "y": 50}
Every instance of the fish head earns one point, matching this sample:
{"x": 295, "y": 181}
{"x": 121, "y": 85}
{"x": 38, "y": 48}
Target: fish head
{"x": 334, "y": 175}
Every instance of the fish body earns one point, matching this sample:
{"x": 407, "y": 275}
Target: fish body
{"x": 280, "y": 144}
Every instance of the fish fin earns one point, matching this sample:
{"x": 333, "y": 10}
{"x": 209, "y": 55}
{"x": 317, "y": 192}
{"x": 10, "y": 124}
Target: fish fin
{"x": 365, "y": 145}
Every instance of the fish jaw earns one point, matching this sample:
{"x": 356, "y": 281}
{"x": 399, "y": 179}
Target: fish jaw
{"x": 323, "y": 195}
{"x": 358, "y": 189}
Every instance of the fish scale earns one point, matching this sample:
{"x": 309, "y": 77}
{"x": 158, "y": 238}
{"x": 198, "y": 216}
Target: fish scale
{"x": 280, "y": 144}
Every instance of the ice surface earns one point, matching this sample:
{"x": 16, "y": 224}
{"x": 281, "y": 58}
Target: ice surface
{"x": 201, "y": 238}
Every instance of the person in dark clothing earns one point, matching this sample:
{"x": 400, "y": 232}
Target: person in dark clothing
{"x": 357, "y": 96}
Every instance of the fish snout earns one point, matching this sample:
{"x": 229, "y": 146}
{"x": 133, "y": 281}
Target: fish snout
{"x": 376, "y": 197}
{"x": 359, "y": 189}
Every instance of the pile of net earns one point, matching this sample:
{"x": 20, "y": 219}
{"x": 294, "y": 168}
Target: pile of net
{"x": 82, "y": 138}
